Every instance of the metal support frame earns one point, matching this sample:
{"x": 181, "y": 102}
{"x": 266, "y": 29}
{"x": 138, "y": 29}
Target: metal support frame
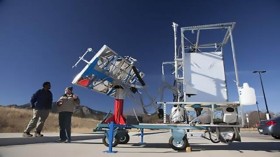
{"x": 198, "y": 47}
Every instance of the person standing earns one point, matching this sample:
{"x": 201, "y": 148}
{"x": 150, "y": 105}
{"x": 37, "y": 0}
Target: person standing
{"x": 65, "y": 107}
{"x": 41, "y": 102}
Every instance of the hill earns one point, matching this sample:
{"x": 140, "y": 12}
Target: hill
{"x": 86, "y": 112}
{"x": 80, "y": 111}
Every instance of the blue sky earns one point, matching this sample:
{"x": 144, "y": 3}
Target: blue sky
{"x": 40, "y": 40}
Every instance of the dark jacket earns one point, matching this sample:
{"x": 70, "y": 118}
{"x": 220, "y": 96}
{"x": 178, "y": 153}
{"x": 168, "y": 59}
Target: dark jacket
{"x": 42, "y": 99}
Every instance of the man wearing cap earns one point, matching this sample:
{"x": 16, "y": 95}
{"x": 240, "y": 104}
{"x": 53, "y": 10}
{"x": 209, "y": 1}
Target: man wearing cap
{"x": 41, "y": 102}
{"x": 65, "y": 106}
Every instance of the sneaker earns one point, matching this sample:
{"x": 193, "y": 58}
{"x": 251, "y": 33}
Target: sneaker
{"x": 27, "y": 134}
{"x": 67, "y": 141}
{"x": 61, "y": 141}
{"x": 38, "y": 135}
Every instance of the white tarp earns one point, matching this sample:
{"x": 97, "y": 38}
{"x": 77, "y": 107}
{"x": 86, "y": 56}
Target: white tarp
{"x": 205, "y": 73}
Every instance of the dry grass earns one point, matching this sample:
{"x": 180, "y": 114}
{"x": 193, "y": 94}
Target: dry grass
{"x": 16, "y": 120}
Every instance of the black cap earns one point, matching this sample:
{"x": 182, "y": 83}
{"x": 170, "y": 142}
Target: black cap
{"x": 46, "y": 83}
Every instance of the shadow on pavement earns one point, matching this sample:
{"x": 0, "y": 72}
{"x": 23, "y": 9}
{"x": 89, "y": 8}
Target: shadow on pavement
{"x": 238, "y": 146}
{"x": 45, "y": 139}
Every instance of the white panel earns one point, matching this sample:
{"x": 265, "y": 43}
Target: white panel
{"x": 205, "y": 73}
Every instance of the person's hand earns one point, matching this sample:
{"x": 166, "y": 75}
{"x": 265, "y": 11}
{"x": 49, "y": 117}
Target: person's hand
{"x": 59, "y": 103}
{"x": 75, "y": 96}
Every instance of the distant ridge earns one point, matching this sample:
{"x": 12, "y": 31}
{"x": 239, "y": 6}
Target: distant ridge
{"x": 86, "y": 112}
{"x": 80, "y": 111}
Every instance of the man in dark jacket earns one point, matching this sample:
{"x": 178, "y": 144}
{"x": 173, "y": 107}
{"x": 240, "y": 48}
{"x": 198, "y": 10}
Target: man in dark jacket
{"x": 41, "y": 102}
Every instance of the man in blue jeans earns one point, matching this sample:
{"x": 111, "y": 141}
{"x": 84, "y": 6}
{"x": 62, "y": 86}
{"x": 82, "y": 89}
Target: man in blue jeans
{"x": 41, "y": 102}
{"x": 65, "y": 106}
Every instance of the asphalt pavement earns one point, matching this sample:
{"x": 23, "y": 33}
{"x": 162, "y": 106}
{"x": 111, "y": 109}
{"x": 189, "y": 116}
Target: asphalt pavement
{"x": 155, "y": 144}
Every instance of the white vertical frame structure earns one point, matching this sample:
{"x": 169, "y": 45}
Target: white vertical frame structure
{"x": 198, "y": 44}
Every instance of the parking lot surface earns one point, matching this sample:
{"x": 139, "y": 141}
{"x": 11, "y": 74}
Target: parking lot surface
{"x": 155, "y": 144}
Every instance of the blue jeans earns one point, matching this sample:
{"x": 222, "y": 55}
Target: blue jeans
{"x": 65, "y": 125}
